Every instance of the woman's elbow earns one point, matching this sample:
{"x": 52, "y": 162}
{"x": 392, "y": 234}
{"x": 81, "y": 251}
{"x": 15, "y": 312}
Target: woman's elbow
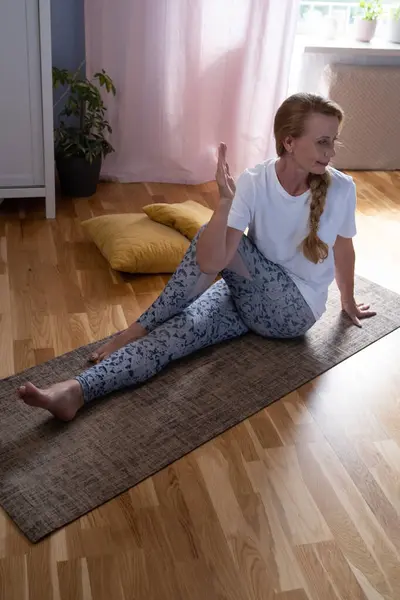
{"x": 208, "y": 267}
{"x": 209, "y": 259}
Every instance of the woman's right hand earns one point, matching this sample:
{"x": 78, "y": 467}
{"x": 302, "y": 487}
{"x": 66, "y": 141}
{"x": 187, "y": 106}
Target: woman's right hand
{"x": 225, "y": 181}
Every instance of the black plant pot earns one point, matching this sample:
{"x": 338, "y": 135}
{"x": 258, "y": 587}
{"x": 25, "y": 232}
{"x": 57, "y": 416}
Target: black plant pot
{"x": 77, "y": 176}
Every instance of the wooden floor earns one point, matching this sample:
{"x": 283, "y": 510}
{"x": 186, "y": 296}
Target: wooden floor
{"x": 300, "y": 502}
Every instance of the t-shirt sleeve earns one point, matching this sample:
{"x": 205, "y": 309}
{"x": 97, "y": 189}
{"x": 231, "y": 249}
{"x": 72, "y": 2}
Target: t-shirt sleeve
{"x": 241, "y": 212}
{"x": 348, "y": 228}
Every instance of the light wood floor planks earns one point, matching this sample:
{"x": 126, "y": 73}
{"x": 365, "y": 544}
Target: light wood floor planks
{"x": 301, "y": 502}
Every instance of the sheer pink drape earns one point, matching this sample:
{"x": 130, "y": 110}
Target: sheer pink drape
{"x": 190, "y": 73}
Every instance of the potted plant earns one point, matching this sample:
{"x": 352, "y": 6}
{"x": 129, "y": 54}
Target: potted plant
{"x": 80, "y": 135}
{"x": 394, "y": 25}
{"x": 366, "y": 23}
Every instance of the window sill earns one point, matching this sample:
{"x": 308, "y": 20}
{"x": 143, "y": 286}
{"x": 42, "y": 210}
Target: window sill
{"x": 376, "y": 47}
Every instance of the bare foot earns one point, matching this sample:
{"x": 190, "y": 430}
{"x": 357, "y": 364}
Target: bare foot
{"x": 134, "y": 332}
{"x": 63, "y": 400}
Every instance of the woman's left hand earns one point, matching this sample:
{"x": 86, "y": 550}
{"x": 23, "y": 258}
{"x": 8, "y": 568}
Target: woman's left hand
{"x": 356, "y": 312}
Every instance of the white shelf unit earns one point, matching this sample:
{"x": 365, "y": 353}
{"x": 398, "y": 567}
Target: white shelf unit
{"x": 26, "y": 102}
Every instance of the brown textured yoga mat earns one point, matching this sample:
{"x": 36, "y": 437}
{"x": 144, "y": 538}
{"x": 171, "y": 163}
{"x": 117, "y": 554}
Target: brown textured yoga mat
{"x": 51, "y": 473}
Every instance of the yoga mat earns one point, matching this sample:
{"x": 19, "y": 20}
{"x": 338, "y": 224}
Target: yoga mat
{"x": 52, "y": 473}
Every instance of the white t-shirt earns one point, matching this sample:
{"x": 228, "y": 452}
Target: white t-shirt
{"x": 279, "y": 222}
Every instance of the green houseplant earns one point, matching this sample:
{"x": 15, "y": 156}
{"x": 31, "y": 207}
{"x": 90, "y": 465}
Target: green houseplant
{"x": 366, "y": 23}
{"x": 80, "y": 135}
{"x": 394, "y": 24}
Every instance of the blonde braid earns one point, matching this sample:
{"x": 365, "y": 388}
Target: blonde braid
{"x": 290, "y": 122}
{"x": 313, "y": 247}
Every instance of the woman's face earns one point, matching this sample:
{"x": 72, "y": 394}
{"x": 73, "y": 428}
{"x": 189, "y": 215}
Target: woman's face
{"x": 315, "y": 148}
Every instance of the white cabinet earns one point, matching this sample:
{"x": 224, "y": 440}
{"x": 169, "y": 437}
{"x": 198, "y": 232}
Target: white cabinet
{"x": 26, "y": 106}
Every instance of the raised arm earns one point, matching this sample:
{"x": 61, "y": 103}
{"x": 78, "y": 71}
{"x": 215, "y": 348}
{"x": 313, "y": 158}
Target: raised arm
{"x": 218, "y": 243}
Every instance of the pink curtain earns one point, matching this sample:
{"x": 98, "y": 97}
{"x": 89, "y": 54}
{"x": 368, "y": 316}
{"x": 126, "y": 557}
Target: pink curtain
{"x": 190, "y": 73}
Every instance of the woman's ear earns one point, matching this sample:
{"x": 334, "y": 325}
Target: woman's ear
{"x": 288, "y": 144}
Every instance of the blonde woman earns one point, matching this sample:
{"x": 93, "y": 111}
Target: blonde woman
{"x": 300, "y": 216}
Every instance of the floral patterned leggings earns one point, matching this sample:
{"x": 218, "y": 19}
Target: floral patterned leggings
{"x": 253, "y": 294}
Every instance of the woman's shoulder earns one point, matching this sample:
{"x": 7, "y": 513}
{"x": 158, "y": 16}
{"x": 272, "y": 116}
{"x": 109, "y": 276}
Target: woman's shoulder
{"x": 258, "y": 170}
{"x": 340, "y": 181}
{"x": 256, "y": 176}
{"x": 342, "y": 193}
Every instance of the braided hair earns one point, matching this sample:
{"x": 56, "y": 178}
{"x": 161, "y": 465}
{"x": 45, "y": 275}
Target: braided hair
{"x": 290, "y": 121}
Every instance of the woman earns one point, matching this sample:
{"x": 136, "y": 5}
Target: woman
{"x": 300, "y": 216}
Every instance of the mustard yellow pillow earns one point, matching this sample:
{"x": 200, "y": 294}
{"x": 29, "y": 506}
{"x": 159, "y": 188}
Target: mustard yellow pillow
{"x": 186, "y": 217}
{"x": 133, "y": 243}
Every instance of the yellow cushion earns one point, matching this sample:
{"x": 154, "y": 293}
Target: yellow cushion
{"x": 186, "y": 217}
{"x": 135, "y": 244}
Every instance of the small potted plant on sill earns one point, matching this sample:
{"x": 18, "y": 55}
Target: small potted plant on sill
{"x": 394, "y": 25}
{"x": 80, "y": 137}
{"x": 365, "y": 23}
